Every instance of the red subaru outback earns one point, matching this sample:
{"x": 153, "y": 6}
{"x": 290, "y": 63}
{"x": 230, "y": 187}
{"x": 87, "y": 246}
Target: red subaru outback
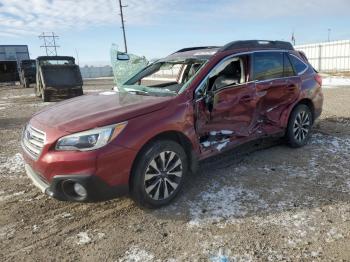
{"x": 145, "y": 137}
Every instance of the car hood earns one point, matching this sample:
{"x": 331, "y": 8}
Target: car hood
{"x": 95, "y": 110}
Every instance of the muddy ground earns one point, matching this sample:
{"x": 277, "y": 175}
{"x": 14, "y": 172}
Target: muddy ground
{"x": 261, "y": 202}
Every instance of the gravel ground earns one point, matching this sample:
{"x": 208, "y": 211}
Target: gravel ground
{"x": 261, "y": 202}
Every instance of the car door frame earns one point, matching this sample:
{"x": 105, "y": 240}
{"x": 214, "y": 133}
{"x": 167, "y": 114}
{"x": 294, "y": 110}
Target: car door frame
{"x": 200, "y": 95}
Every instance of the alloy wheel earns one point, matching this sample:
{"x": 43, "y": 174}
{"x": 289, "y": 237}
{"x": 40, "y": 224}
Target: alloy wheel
{"x": 301, "y": 127}
{"x": 163, "y": 175}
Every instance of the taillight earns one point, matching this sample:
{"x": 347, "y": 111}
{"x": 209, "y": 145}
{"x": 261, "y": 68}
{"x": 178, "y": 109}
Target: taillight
{"x": 318, "y": 79}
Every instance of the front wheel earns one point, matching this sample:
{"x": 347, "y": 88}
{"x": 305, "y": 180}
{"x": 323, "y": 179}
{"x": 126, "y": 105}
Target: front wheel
{"x": 299, "y": 126}
{"x": 159, "y": 173}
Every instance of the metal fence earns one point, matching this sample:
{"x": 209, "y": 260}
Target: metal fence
{"x": 329, "y": 56}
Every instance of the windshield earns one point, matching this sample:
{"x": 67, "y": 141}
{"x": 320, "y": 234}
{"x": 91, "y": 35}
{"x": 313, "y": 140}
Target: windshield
{"x": 163, "y": 78}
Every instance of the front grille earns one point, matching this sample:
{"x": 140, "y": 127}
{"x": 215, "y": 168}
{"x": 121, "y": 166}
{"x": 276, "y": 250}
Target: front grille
{"x": 33, "y": 141}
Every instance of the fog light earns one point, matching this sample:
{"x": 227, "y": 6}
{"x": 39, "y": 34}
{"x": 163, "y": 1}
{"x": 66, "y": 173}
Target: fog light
{"x": 80, "y": 190}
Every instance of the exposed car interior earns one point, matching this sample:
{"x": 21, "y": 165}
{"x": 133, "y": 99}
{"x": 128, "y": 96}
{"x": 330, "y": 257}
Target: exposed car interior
{"x": 168, "y": 76}
{"x": 229, "y": 73}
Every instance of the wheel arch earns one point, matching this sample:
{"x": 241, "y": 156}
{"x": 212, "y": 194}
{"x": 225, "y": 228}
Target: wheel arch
{"x": 175, "y": 136}
{"x": 308, "y": 102}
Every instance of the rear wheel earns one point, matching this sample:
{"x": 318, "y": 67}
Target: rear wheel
{"x": 159, "y": 174}
{"x": 299, "y": 126}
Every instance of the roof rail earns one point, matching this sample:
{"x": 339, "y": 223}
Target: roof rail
{"x": 266, "y": 44}
{"x": 195, "y": 48}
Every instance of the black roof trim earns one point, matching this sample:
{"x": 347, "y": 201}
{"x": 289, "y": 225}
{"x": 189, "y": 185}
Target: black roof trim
{"x": 265, "y": 44}
{"x": 195, "y": 48}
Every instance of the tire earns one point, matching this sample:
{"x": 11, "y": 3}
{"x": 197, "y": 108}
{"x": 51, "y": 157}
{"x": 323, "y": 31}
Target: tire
{"x": 45, "y": 96}
{"x": 151, "y": 187}
{"x": 299, "y": 126}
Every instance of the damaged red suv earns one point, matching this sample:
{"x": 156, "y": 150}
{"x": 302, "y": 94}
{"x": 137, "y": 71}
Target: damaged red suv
{"x": 146, "y": 136}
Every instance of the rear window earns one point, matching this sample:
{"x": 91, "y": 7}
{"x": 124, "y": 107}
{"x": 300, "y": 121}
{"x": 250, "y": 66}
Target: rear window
{"x": 299, "y": 66}
{"x": 268, "y": 65}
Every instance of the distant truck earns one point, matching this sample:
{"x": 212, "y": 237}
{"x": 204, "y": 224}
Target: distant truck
{"x": 27, "y": 72}
{"x": 57, "y": 76}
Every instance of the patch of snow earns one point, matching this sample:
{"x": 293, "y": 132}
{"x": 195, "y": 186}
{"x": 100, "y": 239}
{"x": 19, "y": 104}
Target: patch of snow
{"x": 227, "y": 204}
{"x": 206, "y": 144}
{"x": 221, "y": 145}
{"x": 66, "y": 215}
{"x": 108, "y": 93}
{"x": 83, "y": 238}
{"x": 222, "y": 204}
{"x": 226, "y": 132}
{"x": 93, "y": 90}
{"x": 226, "y": 255}
{"x": 7, "y": 231}
{"x": 100, "y": 235}
{"x": 333, "y": 235}
{"x": 18, "y": 96}
{"x": 14, "y": 164}
{"x": 335, "y": 81}
{"x": 35, "y": 228}
{"x": 136, "y": 254}
{"x": 4, "y": 197}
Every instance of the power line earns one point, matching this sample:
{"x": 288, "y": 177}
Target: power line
{"x": 123, "y": 25}
{"x": 50, "y": 43}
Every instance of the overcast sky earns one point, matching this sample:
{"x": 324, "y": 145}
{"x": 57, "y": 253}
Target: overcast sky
{"x": 158, "y": 27}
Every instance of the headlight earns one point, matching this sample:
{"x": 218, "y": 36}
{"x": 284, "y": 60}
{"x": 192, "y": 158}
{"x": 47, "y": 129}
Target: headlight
{"x": 91, "y": 139}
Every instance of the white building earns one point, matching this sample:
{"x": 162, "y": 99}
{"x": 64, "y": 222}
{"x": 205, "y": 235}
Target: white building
{"x": 328, "y": 56}
{"x": 96, "y": 71}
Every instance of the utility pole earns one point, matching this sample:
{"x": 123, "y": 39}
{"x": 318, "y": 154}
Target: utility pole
{"x": 50, "y": 43}
{"x": 329, "y": 34}
{"x": 123, "y": 26}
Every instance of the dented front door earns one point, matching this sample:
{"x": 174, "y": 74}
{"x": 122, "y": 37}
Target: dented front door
{"x": 233, "y": 109}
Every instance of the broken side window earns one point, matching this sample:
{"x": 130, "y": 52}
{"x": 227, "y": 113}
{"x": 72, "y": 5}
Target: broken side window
{"x": 230, "y": 72}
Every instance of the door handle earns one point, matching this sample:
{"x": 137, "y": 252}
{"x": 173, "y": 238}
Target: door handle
{"x": 246, "y": 98}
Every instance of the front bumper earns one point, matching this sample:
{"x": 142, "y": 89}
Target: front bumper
{"x": 37, "y": 180}
{"x": 97, "y": 189}
{"x": 104, "y": 172}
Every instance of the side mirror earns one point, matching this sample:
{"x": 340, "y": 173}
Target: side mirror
{"x": 209, "y": 100}
{"x": 207, "y": 95}
{"x": 123, "y": 57}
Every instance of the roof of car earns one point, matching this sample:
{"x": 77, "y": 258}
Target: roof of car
{"x": 194, "y": 53}
{"x": 205, "y": 52}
